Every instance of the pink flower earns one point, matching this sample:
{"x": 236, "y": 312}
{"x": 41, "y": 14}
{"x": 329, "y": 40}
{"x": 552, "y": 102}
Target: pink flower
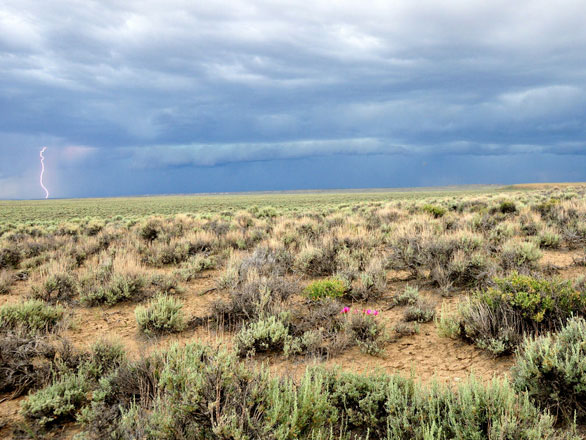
{"x": 368, "y": 312}
{"x": 345, "y": 310}
{"x": 375, "y": 312}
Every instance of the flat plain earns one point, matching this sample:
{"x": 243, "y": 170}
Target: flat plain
{"x": 359, "y": 314}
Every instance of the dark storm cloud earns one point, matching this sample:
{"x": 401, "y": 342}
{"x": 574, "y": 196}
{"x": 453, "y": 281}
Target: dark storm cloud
{"x": 152, "y": 85}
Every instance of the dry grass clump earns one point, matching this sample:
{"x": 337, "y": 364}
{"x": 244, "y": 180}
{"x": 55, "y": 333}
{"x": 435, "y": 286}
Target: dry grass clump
{"x": 253, "y": 298}
{"x": 122, "y": 279}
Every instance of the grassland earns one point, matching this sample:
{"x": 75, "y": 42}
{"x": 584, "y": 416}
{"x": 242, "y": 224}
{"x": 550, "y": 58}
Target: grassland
{"x": 452, "y": 313}
{"x": 42, "y": 211}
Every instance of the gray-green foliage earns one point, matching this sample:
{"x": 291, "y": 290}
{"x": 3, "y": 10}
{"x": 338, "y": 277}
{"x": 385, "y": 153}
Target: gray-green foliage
{"x": 421, "y": 311}
{"x": 58, "y": 287}
{"x": 191, "y": 268}
{"x": 202, "y": 393}
{"x": 32, "y": 316}
{"x": 552, "y": 370}
{"x": 163, "y": 314}
{"x": 58, "y": 402}
{"x": 116, "y": 288}
{"x": 409, "y": 296}
{"x": 265, "y": 335}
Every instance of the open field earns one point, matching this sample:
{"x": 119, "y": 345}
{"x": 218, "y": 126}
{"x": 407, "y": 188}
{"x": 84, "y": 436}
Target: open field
{"x": 42, "y": 211}
{"x": 449, "y": 313}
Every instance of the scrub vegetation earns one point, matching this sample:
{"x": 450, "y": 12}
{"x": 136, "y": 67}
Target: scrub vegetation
{"x": 317, "y": 316}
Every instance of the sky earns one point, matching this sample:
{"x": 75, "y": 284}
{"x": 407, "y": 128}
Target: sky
{"x": 180, "y": 96}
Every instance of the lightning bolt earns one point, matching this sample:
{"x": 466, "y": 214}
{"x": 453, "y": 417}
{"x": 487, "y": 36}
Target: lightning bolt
{"x": 43, "y": 172}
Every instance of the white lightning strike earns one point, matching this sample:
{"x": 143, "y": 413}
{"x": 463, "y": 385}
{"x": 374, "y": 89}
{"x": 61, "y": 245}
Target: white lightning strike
{"x": 43, "y": 172}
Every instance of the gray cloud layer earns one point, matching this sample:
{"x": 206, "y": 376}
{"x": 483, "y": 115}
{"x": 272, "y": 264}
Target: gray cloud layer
{"x": 178, "y": 83}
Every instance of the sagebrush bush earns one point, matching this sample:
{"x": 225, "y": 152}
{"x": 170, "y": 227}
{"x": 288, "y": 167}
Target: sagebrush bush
{"x": 107, "y": 287}
{"x": 435, "y": 211}
{"x": 205, "y": 393}
{"x": 116, "y": 288}
{"x": 104, "y": 357}
{"x": 60, "y": 287}
{"x": 263, "y": 336}
{"x": 10, "y": 257}
{"x": 58, "y": 402}
{"x": 366, "y": 331}
{"x": 549, "y": 239}
{"x": 319, "y": 259}
{"x": 421, "y": 311}
{"x": 499, "y": 317}
{"x": 163, "y": 314}
{"x": 252, "y": 299}
{"x": 192, "y": 268}
{"x": 405, "y": 329}
{"x": 31, "y": 316}
{"x": 520, "y": 255}
{"x": 409, "y": 296}
{"x": 507, "y": 207}
{"x": 552, "y": 370}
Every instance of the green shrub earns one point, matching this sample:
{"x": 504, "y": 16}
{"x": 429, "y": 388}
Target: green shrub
{"x": 9, "y": 257}
{"x": 263, "y": 336}
{"x": 498, "y": 318}
{"x": 199, "y": 392}
{"x": 549, "y": 240}
{"x": 32, "y": 316}
{"x": 520, "y": 255}
{"x": 332, "y": 288}
{"x": 435, "y": 211}
{"x": 366, "y": 331}
{"x": 58, "y": 287}
{"x": 191, "y": 269}
{"x": 58, "y": 402}
{"x": 162, "y": 315}
{"x": 410, "y": 296}
{"x": 421, "y": 311}
{"x": 552, "y": 370}
{"x": 117, "y": 288}
{"x": 507, "y": 207}
{"x": 104, "y": 357}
